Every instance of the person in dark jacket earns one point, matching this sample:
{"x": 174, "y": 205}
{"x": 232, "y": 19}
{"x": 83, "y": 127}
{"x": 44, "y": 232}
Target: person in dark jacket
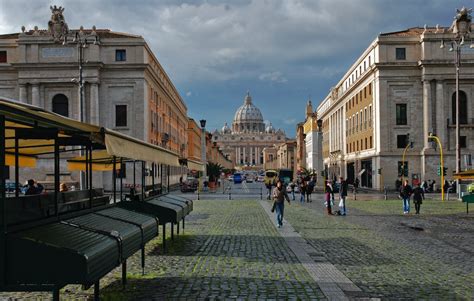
{"x": 418, "y": 197}
{"x": 327, "y": 197}
{"x": 342, "y": 196}
{"x": 302, "y": 190}
{"x": 405, "y": 194}
{"x": 32, "y": 189}
{"x": 279, "y": 195}
{"x": 309, "y": 190}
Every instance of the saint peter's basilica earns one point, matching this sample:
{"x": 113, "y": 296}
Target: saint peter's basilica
{"x": 246, "y": 139}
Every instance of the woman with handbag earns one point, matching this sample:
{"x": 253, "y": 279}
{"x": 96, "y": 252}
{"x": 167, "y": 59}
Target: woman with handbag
{"x": 279, "y": 195}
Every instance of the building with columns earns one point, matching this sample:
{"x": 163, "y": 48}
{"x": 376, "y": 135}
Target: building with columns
{"x": 245, "y": 140}
{"x": 125, "y": 87}
{"x": 399, "y": 90}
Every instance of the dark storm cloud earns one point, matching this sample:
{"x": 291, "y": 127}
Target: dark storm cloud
{"x": 283, "y": 51}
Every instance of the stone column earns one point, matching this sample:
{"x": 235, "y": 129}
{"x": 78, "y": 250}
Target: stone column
{"x": 427, "y": 118}
{"x": 94, "y": 104}
{"x": 244, "y": 155}
{"x": 427, "y": 125}
{"x": 35, "y": 95}
{"x": 23, "y": 94}
{"x": 442, "y": 117}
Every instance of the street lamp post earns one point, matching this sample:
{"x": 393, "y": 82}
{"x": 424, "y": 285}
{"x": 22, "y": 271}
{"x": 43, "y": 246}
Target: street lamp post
{"x": 203, "y": 150}
{"x": 81, "y": 40}
{"x": 461, "y": 29}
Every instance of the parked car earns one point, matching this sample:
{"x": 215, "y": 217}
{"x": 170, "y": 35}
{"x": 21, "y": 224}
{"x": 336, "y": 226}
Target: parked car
{"x": 190, "y": 184}
{"x": 249, "y": 179}
{"x": 260, "y": 179}
{"x": 230, "y": 178}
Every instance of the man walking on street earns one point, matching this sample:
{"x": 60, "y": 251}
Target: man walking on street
{"x": 342, "y": 195}
{"x": 405, "y": 194}
{"x": 279, "y": 195}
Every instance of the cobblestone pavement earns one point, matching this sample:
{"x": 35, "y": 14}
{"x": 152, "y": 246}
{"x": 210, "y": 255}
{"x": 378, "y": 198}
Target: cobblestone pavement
{"x": 230, "y": 250}
{"x": 394, "y": 256}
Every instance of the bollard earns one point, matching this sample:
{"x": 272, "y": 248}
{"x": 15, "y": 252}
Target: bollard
{"x": 198, "y": 194}
{"x": 385, "y": 193}
{"x": 230, "y": 197}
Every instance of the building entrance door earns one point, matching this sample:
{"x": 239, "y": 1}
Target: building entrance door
{"x": 366, "y": 177}
{"x": 350, "y": 173}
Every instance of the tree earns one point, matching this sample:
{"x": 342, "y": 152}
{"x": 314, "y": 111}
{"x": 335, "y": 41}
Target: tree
{"x": 213, "y": 171}
{"x": 308, "y": 173}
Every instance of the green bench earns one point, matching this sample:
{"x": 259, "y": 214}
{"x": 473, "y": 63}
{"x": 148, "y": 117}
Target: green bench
{"x": 469, "y": 198}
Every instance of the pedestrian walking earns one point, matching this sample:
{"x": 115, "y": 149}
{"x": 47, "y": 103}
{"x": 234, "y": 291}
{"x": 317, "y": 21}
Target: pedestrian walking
{"x": 292, "y": 186}
{"x": 342, "y": 196}
{"x": 309, "y": 190}
{"x": 327, "y": 197}
{"x": 302, "y": 190}
{"x": 279, "y": 195}
{"x": 418, "y": 197}
{"x": 356, "y": 185}
{"x": 405, "y": 194}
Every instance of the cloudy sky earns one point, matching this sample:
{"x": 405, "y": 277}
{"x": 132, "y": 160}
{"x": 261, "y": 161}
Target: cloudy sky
{"x": 214, "y": 51}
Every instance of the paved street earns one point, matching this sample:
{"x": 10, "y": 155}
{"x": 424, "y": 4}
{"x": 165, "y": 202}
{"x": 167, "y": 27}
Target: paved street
{"x": 232, "y": 250}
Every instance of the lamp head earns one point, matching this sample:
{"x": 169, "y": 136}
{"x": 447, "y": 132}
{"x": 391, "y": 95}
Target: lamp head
{"x": 203, "y": 123}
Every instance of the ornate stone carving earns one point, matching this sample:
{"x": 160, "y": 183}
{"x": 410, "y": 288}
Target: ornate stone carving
{"x": 57, "y": 26}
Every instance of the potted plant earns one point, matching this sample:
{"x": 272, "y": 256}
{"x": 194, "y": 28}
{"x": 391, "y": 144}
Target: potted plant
{"x": 213, "y": 172}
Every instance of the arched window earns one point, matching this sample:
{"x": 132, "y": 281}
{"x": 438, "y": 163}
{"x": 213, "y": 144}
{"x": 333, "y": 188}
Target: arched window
{"x": 462, "y": 107}
{"x": 61, "y": 105}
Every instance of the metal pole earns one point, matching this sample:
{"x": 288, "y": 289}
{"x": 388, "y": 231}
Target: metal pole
{"x": 458, "y": 148}
{"x": 17, "y": 168}
{"x": 153, "y": 177}
{"x": 2, "y": 202}
{"x": 203, "y": 155}
{"x": 403, "y": 162}
{"x": 168, "y": 176}
{"x": 143, "y": 180}
{"x": 121, "y": 177}
{"x": 56, "y": 176}
{"x": 114, "y": 177}
{"x": 82, "y": 175}
{"x": 90, "y": 174}
{"x": 134, "y": 178}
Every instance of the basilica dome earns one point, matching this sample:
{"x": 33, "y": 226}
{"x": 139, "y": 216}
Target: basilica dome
{"x": 248, "y": 117}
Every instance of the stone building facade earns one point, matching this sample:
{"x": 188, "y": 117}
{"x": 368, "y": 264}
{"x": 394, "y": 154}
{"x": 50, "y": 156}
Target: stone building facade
{"x": 398, "y": 91}
{"x": 125, "y": 87}
{"x": 245, "y": 140}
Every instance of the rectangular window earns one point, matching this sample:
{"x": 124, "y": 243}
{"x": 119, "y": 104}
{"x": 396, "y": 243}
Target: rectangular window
{"x": 120, "y": 115}
{"x": 401, "y": 141}
{"x": 370, "y": 142}
{"x": 401, "y": 112}
{"x": 365, "y": 92}
{"x": 3, "y": 56}
{"x": 120, "y": 55}
{"x": 462, "y": 141}
{"x": 370, "y": 89}
{"x": 365, "y": 143}
{"x": 400, "y": 53}
{"x": 357, "y": 98}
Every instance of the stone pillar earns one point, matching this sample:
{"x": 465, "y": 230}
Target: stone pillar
{"x": 244, "y": 156}
{"x": 427, "y": 125}
{"x": 35, "y": 95}
{"x": 441, "y": 128}
{"x": 23, "y": 94}
{"x": 94, "y": 104}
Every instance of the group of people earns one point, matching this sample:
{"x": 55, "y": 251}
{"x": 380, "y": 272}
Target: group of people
{"x": 279, "y": 195}
{"x": 329, "y": 197}
{"x": 406, "y": 191}
{"x": 32, "y": 187}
